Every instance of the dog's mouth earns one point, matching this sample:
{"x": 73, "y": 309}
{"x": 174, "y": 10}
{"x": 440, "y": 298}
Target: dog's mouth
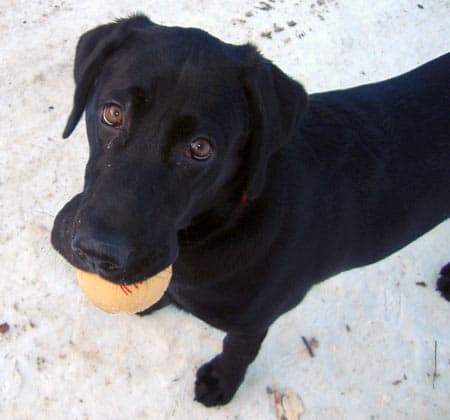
{"x": 139, "y": 267}
{"x": 140, "y": 273}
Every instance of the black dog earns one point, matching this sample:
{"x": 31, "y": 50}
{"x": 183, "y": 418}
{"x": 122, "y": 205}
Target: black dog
{"x": 206, "y": 156}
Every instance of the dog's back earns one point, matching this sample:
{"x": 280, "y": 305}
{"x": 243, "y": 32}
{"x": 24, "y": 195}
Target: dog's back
{"x": 377, "y": 160}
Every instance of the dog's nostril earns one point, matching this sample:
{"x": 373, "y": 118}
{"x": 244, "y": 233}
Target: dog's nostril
{"x": 76, "y": 248}
{"x": 79, "y": 252}
{"x": 107, "y": 266}
{"x": 101, "y": 256}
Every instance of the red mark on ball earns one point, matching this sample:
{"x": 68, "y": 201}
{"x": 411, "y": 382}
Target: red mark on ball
{"x": 126, "y": 290}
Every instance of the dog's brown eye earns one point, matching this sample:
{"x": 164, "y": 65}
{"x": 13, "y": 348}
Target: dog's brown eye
{"x": 200, "y": 149}
{"x": 112, "y": 115}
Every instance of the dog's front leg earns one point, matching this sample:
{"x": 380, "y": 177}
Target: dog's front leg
{"x": 218, "y": 380}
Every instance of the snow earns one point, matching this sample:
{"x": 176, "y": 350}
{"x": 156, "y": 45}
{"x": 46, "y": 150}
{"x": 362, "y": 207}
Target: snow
{"x": 62, "y": 358}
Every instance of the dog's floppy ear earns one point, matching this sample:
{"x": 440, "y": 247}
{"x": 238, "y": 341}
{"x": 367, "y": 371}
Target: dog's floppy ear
{"x": 93, "y": 48}
{"x": 276, "y": 105}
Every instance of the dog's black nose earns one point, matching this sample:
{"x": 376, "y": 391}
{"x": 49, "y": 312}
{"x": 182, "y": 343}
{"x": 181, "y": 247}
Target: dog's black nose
{"x": 103, "y": 256}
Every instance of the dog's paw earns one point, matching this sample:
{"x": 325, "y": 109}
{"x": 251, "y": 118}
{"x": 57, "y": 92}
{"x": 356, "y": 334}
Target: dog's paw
{"x": 214, "y": 386}
{"x": 443, "y": 283}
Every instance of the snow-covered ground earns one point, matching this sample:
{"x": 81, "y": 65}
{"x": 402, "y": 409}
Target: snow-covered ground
{"x": 63, "y": 359}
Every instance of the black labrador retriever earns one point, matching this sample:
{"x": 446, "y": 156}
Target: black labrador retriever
{"x": 206, "y": 156}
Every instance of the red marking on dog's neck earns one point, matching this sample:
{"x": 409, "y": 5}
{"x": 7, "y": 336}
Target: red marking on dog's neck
{"x": 244, "y": 197}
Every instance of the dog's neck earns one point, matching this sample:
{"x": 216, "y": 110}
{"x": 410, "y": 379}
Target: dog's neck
{"x": 214, "y": 222}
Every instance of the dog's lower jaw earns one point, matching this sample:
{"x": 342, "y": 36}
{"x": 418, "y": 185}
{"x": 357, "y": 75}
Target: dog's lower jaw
{"x": 219, "y": 379}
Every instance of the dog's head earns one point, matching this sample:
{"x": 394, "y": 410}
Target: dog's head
{"x": 180, "y": 126}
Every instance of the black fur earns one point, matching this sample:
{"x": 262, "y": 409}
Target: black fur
{"x": 294, "y": 191}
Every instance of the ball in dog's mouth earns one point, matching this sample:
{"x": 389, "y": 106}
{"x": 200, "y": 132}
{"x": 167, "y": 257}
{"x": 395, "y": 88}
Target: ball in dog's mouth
{"x": 120, "y": 298}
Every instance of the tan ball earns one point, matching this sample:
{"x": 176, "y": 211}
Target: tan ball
{"x": 131, "y": 298}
